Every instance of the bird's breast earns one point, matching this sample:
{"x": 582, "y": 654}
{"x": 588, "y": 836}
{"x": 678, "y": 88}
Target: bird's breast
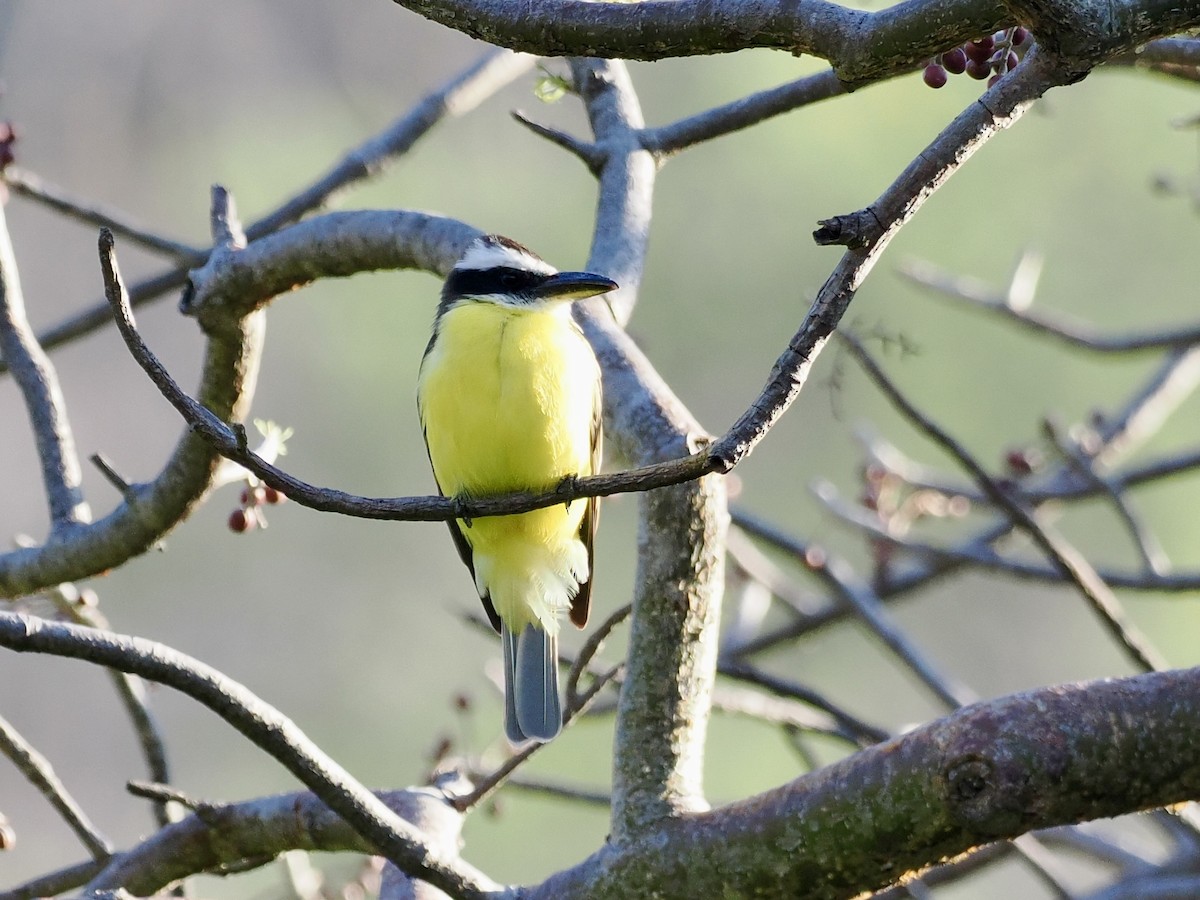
{"x": 506, "y": 399}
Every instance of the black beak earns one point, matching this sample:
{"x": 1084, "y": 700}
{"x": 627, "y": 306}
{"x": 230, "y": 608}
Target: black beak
{"x": 573, "y": 286}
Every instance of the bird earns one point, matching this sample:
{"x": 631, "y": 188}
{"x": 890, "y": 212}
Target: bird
{"x": 509, "y": 398}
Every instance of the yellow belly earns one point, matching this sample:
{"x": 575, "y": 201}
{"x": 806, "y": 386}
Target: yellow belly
{"x": 506, "y": 399}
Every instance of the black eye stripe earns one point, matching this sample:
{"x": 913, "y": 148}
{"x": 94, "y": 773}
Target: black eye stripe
{"x": 499, "y": 280}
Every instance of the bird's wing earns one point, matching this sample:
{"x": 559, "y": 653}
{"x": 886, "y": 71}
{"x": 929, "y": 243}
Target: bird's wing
{"x": 582, "y": 602}
{"x": 463, "y": 545}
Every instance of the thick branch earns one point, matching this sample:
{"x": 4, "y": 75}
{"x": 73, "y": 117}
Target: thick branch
{"x": 862, "y": 46}
{"x": 257, "y": 831}
{"x": 662, "y": 715}
{"x": 991, "y": 771}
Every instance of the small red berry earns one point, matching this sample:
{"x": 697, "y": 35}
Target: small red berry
{"x": 935, "y": 76}
{"x": 1019, "y": 462}
{"x": 272, "y": 496}
{"x": 1020, "y": 35}
{"x": 954, "y": 61}
{"x": 979, "y": 50}
{"x": 978, "y": 70}
{"x": 241, "y": 521}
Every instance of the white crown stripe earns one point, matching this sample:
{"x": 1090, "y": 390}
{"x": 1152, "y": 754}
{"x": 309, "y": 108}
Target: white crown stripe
{"x": 485, "y": 254}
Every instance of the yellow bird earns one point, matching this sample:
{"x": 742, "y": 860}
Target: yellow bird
{"x": 509, "y": 399}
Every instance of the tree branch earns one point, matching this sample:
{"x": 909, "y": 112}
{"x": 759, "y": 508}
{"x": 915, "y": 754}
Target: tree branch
{"x": 43, "y": 398}
{"x": 150, "y": 510}
{"x": 37, "y": 769}
{"x": 457, "y": 96}
{"x": 998, "y": 109}
{"x": 251, "y": 833}
{"x": 987, "y": 772}
{"x": 1072, "y": 333}
{"x": 1069, "y": 562}
{"x": 263, "y": 725}
{"x": 665, "y": 140}
{"x": 862, "y": 46}
{"x": 662, "y": 714}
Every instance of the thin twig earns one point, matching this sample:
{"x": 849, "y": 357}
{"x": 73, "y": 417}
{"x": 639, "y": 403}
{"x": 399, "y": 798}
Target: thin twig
{"x": 589, "y": 650}
{"x": 496, "y": 779}
{"x": 841, "y": 578}
{"x": 852, "y": 728}
{"x": 37, "y": 769}
{"x": 28, "y": 184}
{"x": 713, "y": 123}
{"x": 459, "y": 95}
{"x": 230, "y": 443}
{"x": 130, "y": 689}
{"x": 867, "y": 233}
{"x": 588, "y": 153}
{"x": 1070, "y": 563}
{"x": 1075, "y": 334}
{"x": 1154, "y": 557}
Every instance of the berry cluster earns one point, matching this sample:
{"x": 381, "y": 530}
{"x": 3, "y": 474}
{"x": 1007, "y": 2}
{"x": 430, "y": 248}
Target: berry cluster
{"x": 986, "y": 57}
{"x": 250, "y": 515}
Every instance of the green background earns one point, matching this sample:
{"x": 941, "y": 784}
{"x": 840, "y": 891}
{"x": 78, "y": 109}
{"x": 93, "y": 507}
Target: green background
{"x": 355, "y": 629}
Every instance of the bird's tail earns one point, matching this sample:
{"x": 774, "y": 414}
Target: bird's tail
{"x": 531, "y": 705}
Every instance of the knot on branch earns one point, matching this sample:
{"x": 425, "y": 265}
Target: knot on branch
{"x": 986, "y": 796}
{"x": 853, "y": 230}
{"x": 229, "y": 239}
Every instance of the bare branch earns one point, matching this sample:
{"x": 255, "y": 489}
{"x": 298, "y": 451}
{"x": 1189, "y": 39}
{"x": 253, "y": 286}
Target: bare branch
{"x": 850, "y": 727}
{"x": 80, "y": 608}
{"x": 243, "y": 836}
{"x": 265, "y": 726}
{"x": 28, "y": 184}
{"x": 1070, "y": 563}
{"x": 867, "y": 606}
{"x": 43, "y": 397}
{"x": 231, "y": 443}
{"x": 980, "y": 295}
{"x": 41, "y": 775}
{"x": 586, "y": 152}
{"x": 862, "y": 45}
{"x": 998, "y": 109}
{"x": 662, "y": 713}
{"x": 1148, "y": 547}
{"x": 55, "y": 883}
{"x": 626, "y": 190}
{"x": 668, "y": 139}
{"x": 457, "y": 96}
{"x": 999, "y": 769}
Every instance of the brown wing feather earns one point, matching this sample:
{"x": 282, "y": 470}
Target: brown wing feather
{"x": 464, "y": 549}
{"x": 582, "y": 602}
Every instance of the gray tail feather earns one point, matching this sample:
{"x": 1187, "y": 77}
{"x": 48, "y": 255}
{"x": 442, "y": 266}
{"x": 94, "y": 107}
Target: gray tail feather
{"x": 531, "y": 704}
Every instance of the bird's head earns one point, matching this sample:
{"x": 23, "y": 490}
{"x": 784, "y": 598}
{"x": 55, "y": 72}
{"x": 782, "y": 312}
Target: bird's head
{"x": 495, "y": 269}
